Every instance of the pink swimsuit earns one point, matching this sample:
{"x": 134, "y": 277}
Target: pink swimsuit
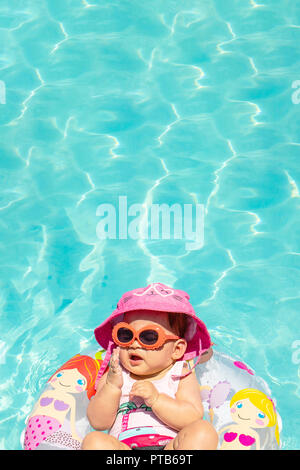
{"x": 136, "y": 425}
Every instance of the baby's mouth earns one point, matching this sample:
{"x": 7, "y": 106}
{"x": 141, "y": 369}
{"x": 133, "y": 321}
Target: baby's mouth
{"x": 135, "y": 358}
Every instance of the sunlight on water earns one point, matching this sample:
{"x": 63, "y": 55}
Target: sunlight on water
{"x": 161, "y": 103}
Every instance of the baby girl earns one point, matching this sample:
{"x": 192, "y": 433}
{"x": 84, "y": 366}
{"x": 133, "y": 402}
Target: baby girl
{"x": 149, "y": 398}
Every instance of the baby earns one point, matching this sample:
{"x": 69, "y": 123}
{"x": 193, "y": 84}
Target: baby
{"x": 149, "y": 398}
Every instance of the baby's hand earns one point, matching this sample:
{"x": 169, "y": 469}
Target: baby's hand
{"x": 114, "y": 376}
{"x": 145, "y": 390}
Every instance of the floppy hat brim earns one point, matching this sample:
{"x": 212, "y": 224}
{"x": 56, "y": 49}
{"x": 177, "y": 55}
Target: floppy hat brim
{"x": 103, "y": 333}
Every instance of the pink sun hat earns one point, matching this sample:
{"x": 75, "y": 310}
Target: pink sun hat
{"x": 159, "y": 298}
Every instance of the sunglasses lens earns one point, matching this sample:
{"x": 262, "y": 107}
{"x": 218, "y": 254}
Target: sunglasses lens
{"x": 149, "y": 337}
{"x": 124, "y": 335}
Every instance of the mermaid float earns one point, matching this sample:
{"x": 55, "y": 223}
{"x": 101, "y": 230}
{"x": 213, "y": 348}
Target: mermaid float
{"x": 236, "y": 401}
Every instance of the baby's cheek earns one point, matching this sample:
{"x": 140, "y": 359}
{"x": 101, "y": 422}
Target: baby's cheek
{"x": 233, "y": 410}
{"x": 259, "y": 422}
{"x": 79, "y": 389}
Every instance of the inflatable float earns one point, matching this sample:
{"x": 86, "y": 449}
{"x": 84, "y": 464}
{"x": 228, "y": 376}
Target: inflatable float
{"x": 236, "y": 401}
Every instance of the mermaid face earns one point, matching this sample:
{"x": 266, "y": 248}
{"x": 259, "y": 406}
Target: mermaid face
{"x": 245, "y": 413}
{"x": 69, "y": 380}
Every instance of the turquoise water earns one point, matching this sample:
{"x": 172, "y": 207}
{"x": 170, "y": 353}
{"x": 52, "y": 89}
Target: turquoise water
{"x": 172, "y": 102}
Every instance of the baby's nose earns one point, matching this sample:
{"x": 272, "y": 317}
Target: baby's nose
{"x": 136, "y": 344}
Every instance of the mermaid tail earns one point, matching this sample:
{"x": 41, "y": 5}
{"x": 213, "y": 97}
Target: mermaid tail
{"x": 39, "y": 427}
{"x": 217, "y": 396}
{"x": 204, "y": 392}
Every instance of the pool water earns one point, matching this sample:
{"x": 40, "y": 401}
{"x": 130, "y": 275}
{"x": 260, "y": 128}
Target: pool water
{"x": 167, "y": 102}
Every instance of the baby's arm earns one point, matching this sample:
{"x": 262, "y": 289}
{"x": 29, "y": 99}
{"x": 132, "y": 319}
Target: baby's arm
{"x": 185, "y": 408}
{"x": 103, "y": 407}
{"x": 176, "y": 413}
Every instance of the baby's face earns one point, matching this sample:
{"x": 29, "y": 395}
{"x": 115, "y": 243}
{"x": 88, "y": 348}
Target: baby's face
{"x": 145, "y": 362}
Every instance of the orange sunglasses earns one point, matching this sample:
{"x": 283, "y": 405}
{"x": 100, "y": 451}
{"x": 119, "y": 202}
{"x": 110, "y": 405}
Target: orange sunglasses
{"x": 150, "y": 336}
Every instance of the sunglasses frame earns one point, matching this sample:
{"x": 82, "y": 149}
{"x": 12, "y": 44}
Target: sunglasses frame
{"x": 162, "y": 336}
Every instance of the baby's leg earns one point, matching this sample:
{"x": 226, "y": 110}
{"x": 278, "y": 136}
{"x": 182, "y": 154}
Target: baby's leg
{"x": 98, "y": 440}
{"x": 199, "y": 435}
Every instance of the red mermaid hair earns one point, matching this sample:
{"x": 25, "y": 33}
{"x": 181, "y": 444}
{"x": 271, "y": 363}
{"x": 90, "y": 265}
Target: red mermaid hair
{"x": 86, "y": 366}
